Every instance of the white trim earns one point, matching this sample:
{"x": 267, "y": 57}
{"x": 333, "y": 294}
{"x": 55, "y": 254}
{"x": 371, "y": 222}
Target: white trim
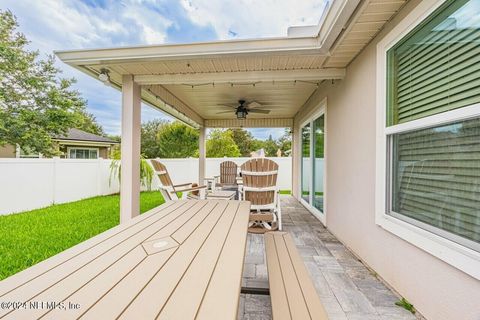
{"x": 192, "y": 50}
{"x": 459, "y": 256}
{"x": 461, "y": 114}
{"x": 82, "y": 148}
{"x": 318, "y": 111}
{"x": 86, "y": 143}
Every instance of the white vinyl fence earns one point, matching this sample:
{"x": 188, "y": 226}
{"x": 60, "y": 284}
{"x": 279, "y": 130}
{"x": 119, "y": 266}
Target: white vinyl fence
{"x": 27, "y": 184}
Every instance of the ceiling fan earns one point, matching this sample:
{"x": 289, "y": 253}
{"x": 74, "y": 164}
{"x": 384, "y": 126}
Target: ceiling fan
{"x": 245, "y": 108}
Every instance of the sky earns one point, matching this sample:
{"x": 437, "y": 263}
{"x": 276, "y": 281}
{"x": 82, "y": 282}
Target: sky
{"x": 79, "y": 24}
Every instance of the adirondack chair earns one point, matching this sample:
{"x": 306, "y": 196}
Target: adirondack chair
{"x": 260, "y": 188}
{"x": 227, "y": 177}
{"x": 169, "y": 190}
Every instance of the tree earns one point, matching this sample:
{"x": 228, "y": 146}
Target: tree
{"x": 270, "y": 146}
{"x": 285, "y": 142}
{"x": 115, "y": 149}
{"x": 34, "y": 103}
{"x": 88, "y": 123}
{"x": 220, "y": 143}
{"x": 244, "y": 140}
{"x": 149, "y": 139}
{"x": 177, "y": 140}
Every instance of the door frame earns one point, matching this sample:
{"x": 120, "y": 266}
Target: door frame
{"x": 320, "y": 109}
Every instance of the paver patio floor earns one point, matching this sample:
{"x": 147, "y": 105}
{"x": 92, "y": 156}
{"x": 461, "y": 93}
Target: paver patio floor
{"x": 346, "y": 287}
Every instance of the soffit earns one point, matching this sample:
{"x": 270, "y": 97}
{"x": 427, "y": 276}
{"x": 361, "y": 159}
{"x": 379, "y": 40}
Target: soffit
{"x": 216, "y": 65}
{"x": 284, "y": 99}
{"x": 369, "y": 19}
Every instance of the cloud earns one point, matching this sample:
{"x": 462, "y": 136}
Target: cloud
{"x": 252, "y": 18}
{"x": 59, "y": 25}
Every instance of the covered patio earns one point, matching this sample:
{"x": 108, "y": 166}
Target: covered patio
{"x": 196, "y": 82}
{"x": 201, "y": 84}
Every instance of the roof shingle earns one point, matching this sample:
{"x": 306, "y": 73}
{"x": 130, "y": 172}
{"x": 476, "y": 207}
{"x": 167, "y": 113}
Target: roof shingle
{"x": 80, "y": 135}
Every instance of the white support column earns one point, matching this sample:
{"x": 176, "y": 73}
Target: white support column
{"x": 295, "y": 162}
{"x": 201, "y": 155}
{"x": 130, "y": 174}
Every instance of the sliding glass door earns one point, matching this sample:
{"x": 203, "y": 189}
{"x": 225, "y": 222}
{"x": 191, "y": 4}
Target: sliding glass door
{"x": 306, "y": 163}
{"x": 313, "y": 163}
{"x": 318, "y": 161}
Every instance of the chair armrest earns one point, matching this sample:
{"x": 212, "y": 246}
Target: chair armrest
{"x": 182, "y": 185}
{"x": 189, "y": 189}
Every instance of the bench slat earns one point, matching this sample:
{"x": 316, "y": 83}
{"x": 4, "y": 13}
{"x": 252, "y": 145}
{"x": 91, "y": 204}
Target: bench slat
{"x": 312, "y": 300}
{"x": 291, "y": 288}
{"x": 296, "y": 301}
{"x": 277, "y": 288}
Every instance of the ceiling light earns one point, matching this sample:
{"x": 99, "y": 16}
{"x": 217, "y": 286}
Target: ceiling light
{"x": 104, "y": 76}
{"x": 241, "y": 113}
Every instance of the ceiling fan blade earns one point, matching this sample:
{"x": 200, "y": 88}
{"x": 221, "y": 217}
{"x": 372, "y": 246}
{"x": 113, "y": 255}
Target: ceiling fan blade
{"x": 226, "y": 106}
{"x": 258, "y": 111}
{"x": 254, "y": 104}
{"x": 224, "y": 112}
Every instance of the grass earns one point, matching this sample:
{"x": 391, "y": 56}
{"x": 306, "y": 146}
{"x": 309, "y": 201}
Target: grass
{"x": 285, "y": 192}
{"x": 33, "y": 236}
{"x": 406, "y": 305}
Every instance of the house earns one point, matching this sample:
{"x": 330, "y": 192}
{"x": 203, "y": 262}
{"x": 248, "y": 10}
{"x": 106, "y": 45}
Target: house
{"x": 383, "y": 101}
{"x": 75, "y": 144}
{"x": 78, "y": 144}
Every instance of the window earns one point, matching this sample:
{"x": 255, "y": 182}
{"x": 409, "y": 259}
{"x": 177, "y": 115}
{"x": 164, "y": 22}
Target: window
{"x": 435, "y": 68}
{"x": 432, "y": 132}
{"x": 78, "y": 153}
{"x": 436, "y": 179}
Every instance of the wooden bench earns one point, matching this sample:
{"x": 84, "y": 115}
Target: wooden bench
{"x": 292, "y": 292}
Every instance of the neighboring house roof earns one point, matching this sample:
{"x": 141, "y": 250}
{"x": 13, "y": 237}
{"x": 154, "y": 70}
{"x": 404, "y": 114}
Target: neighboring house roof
{"x": 80, "y": 135}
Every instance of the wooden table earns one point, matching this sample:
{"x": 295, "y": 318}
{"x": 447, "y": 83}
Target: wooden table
{"x": 222, "y": 195}
{"x": 182, "y": 260}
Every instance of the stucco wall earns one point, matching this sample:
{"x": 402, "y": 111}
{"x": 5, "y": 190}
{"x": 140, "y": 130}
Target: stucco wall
{"x": 438, "y": 290}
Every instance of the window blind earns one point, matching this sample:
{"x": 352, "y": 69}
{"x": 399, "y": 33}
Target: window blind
{"x": 436, "y": 178}
{"x": 436, "y": 68}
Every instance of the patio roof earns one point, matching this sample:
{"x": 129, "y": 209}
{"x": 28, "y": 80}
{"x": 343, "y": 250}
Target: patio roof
{"x": 193, "y": 81}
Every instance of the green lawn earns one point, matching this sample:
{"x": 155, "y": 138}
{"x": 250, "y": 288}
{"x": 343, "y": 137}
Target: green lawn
{"x": 30, "y": 237}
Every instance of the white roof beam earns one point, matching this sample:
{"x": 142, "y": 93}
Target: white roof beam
{"x": 241, "y": 77}
{"x": 181, "y": 110}
{"x": 162, "y": 52}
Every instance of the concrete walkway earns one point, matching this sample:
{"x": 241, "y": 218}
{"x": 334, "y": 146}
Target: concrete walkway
{"x": 345, "y": 286}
